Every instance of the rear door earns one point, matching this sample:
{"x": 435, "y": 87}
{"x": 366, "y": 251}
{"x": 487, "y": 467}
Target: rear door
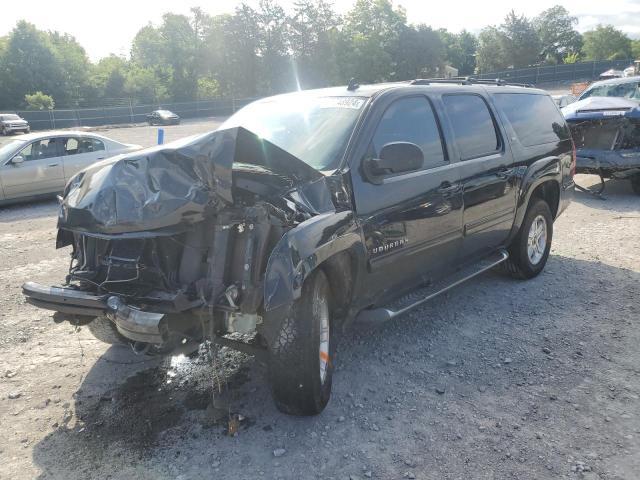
{"x": 488, "y": 173}
{"x": 411, "y": 221}
{"x": 40, "y": 173}
{"x": 80, "y": 152}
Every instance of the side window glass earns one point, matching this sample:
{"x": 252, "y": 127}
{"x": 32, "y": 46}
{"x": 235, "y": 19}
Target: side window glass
{"x": 411, "y": 120}
{"x": 40, "y": 150}
{"x": 71, "y": 146}
{"x": 534, "y": 118}
{"x": 472, "y": 124}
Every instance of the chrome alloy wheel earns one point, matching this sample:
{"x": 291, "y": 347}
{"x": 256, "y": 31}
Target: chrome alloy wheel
{"x": 537, "y": 240}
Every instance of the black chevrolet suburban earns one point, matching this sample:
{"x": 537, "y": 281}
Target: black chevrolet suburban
{"x": 306, "y": 211}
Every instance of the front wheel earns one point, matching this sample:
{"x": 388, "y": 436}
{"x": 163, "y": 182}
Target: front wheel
{"x": 300, "y": 359}
{"x": 635, "y": 183}
{"x": 529, "y": 251}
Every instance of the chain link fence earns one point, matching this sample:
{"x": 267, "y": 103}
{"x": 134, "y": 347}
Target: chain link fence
{"x": 93, "y": 117}
{"x": 558, "y": 73}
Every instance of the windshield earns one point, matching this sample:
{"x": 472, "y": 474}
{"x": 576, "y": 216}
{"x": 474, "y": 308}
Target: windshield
{"x": 314, "y": 129}
{"x": 9, "y": 117}
{"x": 164, "y": 112}
{"x": 622, "y": 90}
{"x": 10, "y": 148}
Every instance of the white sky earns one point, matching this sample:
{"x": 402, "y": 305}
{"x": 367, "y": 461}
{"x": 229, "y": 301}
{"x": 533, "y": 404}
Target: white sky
{"x": 108, "y": 26}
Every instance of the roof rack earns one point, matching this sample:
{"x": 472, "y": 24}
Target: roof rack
{"x": 467, "y": 81}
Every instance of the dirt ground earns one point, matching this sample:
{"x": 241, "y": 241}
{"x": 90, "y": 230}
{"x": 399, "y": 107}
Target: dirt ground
{"x": 498, "y": 379}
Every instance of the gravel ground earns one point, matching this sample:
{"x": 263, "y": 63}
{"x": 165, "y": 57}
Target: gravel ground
{"x": 497, "y": 379}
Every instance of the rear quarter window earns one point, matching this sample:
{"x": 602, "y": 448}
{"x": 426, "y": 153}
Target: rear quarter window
{"x": 535, "y": 118}
{"x": 473, "y": 125}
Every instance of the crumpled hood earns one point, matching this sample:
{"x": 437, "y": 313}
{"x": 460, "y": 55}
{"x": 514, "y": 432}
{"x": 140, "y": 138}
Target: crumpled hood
{"x": 170, "y": 185}
{"x": 601, "y": 107}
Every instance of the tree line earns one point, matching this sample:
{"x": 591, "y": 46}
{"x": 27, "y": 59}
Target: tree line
{"x": 266, "y": 50}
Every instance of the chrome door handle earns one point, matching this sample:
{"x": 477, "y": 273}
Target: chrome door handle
{"x": 447, "y": 187}
{"x": 505, "y": 173}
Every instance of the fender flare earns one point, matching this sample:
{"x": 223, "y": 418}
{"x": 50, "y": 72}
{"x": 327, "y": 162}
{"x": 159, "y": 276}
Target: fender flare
{"x": 301, "y": 250}
{"x": 539, "y": 172}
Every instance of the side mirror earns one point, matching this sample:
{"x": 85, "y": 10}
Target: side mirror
{"x": 18, "y": 159}
{"x": 396, "y": 157}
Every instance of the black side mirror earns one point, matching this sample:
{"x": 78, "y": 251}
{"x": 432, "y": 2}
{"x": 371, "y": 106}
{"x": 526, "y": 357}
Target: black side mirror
{"x": 396, "y": 157}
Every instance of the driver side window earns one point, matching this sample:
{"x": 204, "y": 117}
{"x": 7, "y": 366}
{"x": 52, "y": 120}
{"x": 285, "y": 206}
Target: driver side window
{"x": 411, "y": 120}
{"x": 39, "y": 150}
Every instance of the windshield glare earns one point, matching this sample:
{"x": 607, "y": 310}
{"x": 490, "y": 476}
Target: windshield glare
{"x": 623, "y": 90}
{"x": 314, "y": 129}
{"x": 10, "y": 148}
{"x": 9, "y": 117}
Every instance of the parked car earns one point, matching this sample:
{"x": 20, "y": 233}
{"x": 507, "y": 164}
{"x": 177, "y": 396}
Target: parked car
{"x": 605, "y": 125}
{"x": 606, "y": 132}
{"x": 163, "y": 117}
{"x": 11, "y": 123}
{"x": 626, "y": 87}
{"x": 40, "y": 164}
{"x": 563, "y": 100}
{"x": 308, "y": 210}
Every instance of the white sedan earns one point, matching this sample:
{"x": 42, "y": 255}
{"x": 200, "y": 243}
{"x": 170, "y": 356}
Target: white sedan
{"x": 40, "y": 164}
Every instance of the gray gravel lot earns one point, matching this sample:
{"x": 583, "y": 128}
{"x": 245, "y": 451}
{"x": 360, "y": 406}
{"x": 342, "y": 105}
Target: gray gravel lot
{"x": 497, "y": 379}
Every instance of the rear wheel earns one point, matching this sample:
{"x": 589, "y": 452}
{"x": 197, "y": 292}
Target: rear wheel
{"x": 104, "y": 330}
{"x": 635, "y": 183}
{"x": 530, "y": 249}
{"x": 300, "y": 363}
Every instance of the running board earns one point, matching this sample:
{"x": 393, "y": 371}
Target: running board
{"x": 422, "y": 295}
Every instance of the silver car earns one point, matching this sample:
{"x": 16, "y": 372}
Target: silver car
{"x": 40, "y": 164}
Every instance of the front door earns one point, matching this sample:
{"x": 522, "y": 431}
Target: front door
{"x": 40, "y": 173}
{"x": 411, "y": 221}
{"x": 488, "y": 174}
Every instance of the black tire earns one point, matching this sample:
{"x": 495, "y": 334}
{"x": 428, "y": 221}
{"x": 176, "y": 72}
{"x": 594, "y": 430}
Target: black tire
{"x": 3, "y": 132}
{"x": 104, "y": 330}
{"x": 519, "y": 264}
{"x": 294, "y": 358}
{"x": 635, "y": 183}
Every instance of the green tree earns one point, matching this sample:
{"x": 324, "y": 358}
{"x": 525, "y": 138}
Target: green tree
{"x": 39, "y": 101}
{"x": 312, "y": 38}
{"x": 109, "y": 77}
{"x": 606, "y": 42}
{"x": 635, "y": 49}
{"x": 491, "y": 55}
{"x": 521, "y": 45}
{"x": 420, "y": 53}
{"x": 460, "y": 50}
{"x": 30, "y": 64}
{"x": 558, "y": 37}
{"x": 371, "y": 36}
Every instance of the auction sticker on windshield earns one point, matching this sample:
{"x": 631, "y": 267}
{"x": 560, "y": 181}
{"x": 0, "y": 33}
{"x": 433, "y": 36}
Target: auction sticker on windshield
{"x": 341, "y": 102}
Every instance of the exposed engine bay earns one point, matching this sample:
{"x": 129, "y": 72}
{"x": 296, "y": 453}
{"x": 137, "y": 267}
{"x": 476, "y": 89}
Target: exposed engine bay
{"x": 171, "y": 244}
{"x": 606, "y": 133}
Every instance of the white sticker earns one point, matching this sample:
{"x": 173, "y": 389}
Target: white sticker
{"x": 613, "y": 113}
{"x": 341, "y": 102}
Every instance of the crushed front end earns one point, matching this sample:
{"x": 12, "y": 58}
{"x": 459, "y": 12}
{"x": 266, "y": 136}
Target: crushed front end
{"x": 606, "y": 132}
{"x": 170, "y": 245}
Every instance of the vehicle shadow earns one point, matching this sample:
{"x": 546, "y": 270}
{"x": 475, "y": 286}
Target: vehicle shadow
{"x": 617, "y": 195}
{"x": 128, "y": 414}
{"x": 29, "y": 210}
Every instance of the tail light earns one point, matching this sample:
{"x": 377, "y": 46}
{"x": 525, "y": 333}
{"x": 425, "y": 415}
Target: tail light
{"x": 572, "y": 170}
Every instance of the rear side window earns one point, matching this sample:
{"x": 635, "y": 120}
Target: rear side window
{"x": 472, "y": 124}
{"x": 535, "y": 118}
{"x": 411, "y": 120}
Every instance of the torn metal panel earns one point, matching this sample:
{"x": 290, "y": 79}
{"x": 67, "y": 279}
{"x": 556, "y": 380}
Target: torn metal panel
{"x": 176, "y": 184}
{"x": 606, "y": 132}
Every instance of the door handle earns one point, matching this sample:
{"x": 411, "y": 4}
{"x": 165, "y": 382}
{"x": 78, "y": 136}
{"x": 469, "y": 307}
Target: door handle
{"x": 100, "y": 158}
{"x": 504, "y": 173}
{"x": 447, "y": 187}
{"x": 53, "y": 164}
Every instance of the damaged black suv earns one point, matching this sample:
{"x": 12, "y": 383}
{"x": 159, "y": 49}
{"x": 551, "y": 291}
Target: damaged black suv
{"x": 308, "y": 210}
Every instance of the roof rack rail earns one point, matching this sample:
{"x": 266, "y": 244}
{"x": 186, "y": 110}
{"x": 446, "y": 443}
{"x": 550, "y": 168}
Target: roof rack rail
{"x": 467, "y": 81}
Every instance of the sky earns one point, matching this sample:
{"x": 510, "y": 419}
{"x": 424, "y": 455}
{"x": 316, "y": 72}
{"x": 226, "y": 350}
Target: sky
{"x": 104, "y": 27}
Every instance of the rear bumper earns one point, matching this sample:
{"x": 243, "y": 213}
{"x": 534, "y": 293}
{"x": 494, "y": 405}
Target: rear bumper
{"x": 135, "y": 324}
